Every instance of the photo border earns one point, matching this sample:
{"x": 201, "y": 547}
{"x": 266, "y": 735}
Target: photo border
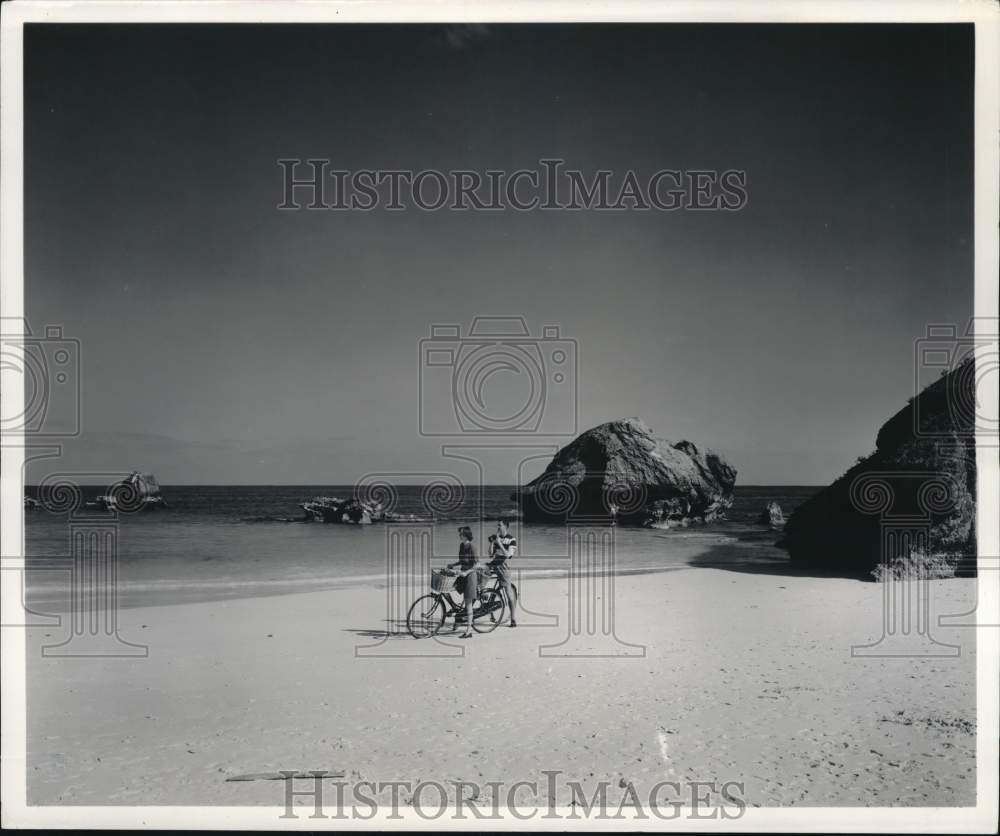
{"x": 984, "y": 14}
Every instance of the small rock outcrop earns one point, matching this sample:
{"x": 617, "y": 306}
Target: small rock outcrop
{"x": 772, "y": 515}
{"x": 352, "y": 511}
{"x": 916, "y": 494}
{"x": 136, "y": 492}
{"x": 622, "y": 472}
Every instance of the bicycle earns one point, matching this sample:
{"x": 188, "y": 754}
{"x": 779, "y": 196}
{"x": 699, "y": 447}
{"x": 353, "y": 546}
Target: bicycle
{"x": 429, "y": 612}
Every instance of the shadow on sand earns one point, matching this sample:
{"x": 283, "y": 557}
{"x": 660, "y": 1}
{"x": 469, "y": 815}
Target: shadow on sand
{"x": 754, "y": 552}
{"x": 392, "y": 628}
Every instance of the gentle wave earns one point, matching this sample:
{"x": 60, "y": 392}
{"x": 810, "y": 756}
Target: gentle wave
{"x": 200, "y": 549}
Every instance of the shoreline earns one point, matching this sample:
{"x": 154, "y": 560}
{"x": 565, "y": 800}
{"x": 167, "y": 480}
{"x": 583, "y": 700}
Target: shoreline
{"x": 49, "y": 579}
{"x": 252, "y": 589}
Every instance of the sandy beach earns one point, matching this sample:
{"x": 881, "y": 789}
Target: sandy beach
{"x": 744, "y": 677}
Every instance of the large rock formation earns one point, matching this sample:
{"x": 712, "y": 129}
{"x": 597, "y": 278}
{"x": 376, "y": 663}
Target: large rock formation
{"x": 621, "y": 471}
{"x": 915, "y": 493}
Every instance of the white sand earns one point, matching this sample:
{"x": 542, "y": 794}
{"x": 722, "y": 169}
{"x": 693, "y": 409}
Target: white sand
{"x": 746, "y": 677}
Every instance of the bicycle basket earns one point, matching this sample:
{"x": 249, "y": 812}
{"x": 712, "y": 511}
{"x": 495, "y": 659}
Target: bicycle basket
{"x": 440, "y": 582}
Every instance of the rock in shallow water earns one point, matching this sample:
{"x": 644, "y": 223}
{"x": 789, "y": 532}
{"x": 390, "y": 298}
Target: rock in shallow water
{"x": 353, "y": 511}
{"x": 136, "y": 492}
{"x": 621, "y": 471}
{"x": 772, "y": 515}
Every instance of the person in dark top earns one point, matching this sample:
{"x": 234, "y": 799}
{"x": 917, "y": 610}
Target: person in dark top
{"x": 503, "y": 548}
{"x": 468, "y": 571}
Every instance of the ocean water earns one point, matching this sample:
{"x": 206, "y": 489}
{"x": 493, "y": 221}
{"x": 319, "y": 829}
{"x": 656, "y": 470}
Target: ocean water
{"x": 215, "y": 542}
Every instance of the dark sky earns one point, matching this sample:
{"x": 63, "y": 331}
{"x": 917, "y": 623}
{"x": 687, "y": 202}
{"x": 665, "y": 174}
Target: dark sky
{"x": 224, "y": 341}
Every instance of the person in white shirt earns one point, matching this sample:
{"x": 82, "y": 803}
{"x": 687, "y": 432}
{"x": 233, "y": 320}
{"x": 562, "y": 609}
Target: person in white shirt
{"x": 503, "y": 546}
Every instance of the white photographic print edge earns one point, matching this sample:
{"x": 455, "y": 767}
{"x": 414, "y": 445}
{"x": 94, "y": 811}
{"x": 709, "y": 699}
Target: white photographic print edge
{"x": 16, "y": 810}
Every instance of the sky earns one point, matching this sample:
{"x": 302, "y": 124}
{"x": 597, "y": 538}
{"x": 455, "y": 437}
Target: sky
{"x": 223, "y": 341}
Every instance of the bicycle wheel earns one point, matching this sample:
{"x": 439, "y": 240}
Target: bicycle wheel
{"x": 489, "y": 611}
{"x": 425, "y": 617}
